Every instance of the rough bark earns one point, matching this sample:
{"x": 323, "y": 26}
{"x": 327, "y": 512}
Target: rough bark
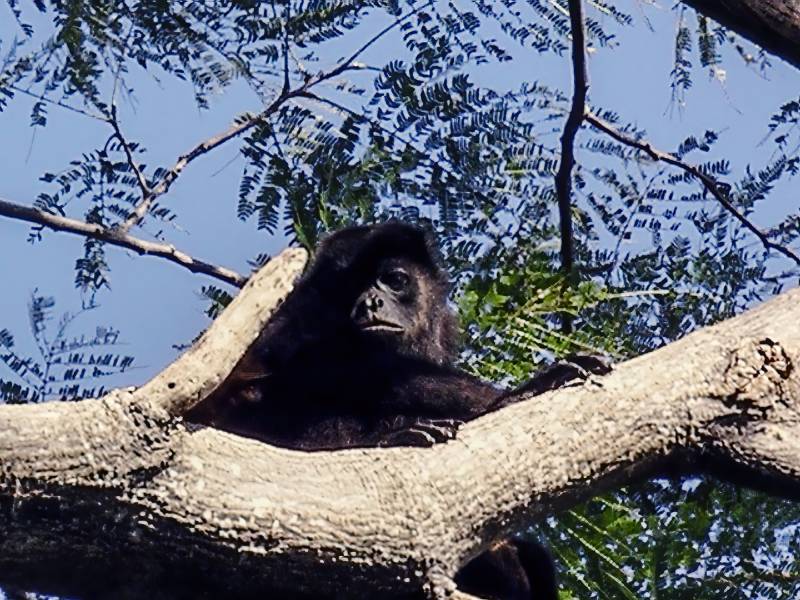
{"x": 120, "y": 494}
{"x": 772, "y": 24}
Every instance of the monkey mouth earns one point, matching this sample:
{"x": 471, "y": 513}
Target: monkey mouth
{"x": 381, "y": 327}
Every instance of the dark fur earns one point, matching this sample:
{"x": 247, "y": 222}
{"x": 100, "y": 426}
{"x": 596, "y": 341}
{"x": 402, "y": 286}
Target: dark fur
{"x": 315, "y": 379}
{"x": 511, "y": 570}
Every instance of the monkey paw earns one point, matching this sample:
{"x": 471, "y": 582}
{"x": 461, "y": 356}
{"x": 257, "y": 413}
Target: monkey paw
{"x": 423, "y": 433}
{"x": 576, "y": 367}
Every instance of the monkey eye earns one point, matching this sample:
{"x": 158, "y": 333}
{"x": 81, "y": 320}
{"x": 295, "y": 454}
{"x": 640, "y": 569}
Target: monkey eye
{"x": 397, "y": 280}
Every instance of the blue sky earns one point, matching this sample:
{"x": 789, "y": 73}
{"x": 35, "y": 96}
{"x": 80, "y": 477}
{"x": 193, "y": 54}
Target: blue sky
{"x": 156, "y": 304}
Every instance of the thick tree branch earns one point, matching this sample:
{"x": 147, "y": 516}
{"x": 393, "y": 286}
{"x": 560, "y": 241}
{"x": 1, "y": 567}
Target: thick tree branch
{"x": 709, "y": 183}
{"x": 136, "y": 497}
{"x": 203, "y": 367}
{"x": 119, "y": 238}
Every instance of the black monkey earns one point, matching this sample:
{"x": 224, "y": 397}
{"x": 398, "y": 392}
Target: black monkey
{"x": 361, "y": 353}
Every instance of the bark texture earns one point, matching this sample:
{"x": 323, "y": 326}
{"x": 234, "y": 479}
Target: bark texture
{"x": 772, "y": 24}
{"x": 120, "y": 494}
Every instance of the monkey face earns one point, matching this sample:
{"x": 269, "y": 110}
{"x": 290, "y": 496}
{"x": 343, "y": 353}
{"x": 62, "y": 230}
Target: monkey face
{"x": 389, "y": 307}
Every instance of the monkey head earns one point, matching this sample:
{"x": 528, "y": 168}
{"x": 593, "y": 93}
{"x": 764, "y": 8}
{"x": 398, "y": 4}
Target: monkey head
{"x": 379, "y": 287}
{"x": 398, "y": 290}
{"x": 394, "y": 309}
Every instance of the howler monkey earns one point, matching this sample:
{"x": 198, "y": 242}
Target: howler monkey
{"x": 361, "y": 353}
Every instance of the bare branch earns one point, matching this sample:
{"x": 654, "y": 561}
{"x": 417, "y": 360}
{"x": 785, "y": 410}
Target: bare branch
{"x": 708, "y": 182}
{"x": 40, "y": 97}
{"x": 163, "y": 186}
{"x": 563, "y": 180}
{"x": 121, "y": 239}
{"x": 237, "y": 129}
{"x": 286, "y": 83}
{"x": 196, "y": 373}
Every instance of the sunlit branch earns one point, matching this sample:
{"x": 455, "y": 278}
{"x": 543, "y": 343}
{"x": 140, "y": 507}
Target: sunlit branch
{"x": 166, "y": 181}
{"x": 121, "y": 239}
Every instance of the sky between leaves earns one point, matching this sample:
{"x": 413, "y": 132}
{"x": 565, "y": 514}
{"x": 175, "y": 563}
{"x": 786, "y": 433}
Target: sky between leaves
{"x": 155, "y": 303}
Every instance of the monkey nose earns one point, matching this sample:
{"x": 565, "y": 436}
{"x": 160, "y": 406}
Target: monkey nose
{"x": 366, "y": 307}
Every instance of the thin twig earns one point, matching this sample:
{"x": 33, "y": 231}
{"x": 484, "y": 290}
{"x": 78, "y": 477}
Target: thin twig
{"x": 710, "y": 184}
{"x": 286, "y": 83}
{"x": 563, "y": 179}
{"x": 299, "y": 64}
{"x": 348, "y": 63}
{"x": 121, "y": 239}
{"x": 140, "y": 178}
{"x": 58, "y": 103}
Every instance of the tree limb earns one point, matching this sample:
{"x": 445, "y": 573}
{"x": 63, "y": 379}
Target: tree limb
{"x": 772, "y": 24}
{"x": 125, "y": 493}
{"x": 571, "y": 127}
{"x": 710, "y": 184}
{"x": 119, "y": 238}
{"x": 203, "y": 367}
{"x": 563, "y": 179}
{"x": 165, "y": 183}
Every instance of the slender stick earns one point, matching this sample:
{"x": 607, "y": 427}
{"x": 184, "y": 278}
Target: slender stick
{"x": 121, "y": 239}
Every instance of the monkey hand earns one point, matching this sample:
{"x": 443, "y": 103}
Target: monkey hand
{"x": 422, "y": 433}
{"x": 576, "y": 367}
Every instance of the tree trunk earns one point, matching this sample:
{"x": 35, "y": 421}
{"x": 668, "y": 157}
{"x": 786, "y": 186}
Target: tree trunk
{"x": 119, "y": 497}
{"x": 772, "y": 24}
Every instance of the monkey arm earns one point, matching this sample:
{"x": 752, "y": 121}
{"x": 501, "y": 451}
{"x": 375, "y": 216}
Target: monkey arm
{"x": 424, "y": 389}
{"x": 575, "y": 367}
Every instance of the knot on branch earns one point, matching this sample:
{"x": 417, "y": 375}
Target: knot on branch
{"x": 148, "y": 438}
{"x": 756, "y": 375}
